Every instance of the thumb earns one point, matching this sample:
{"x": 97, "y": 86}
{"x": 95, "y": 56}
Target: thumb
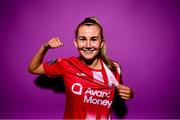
{"x": 120, "y": 86}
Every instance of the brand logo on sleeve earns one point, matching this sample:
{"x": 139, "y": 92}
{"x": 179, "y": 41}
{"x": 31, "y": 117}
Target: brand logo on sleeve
{"x": 52, "y": 62}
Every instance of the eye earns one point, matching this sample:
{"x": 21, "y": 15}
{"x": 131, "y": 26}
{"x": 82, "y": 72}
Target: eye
{"x": 94, "y": 39}
{"x": 82, "y": 39}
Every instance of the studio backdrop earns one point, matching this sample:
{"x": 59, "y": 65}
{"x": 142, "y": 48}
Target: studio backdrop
{"x": 141, "y": 35}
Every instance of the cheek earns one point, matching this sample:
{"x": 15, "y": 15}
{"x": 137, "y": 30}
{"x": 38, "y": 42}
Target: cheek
{"x": 79, "y": 45}
{"x": 97, "y": 45}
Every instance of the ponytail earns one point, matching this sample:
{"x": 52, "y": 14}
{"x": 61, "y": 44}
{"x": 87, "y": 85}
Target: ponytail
{"x": 106, "y": 60}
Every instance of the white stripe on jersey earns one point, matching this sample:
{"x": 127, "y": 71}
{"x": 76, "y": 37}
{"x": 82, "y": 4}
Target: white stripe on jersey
{"x": 111, "y": 78}
{"x": 98, "y": 76}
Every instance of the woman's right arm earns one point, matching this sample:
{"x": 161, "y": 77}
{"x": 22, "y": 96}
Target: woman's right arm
{"x": 36, "y": 64}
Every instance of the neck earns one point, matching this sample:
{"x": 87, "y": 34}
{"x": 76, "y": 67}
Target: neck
{"x": 94, "y": 63}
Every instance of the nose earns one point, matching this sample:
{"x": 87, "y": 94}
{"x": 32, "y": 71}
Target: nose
{"x": 88, "y": 44}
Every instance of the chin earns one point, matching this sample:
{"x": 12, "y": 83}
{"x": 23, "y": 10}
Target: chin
{"x": 88, "y": 57}
{"x": 91, "y": 56}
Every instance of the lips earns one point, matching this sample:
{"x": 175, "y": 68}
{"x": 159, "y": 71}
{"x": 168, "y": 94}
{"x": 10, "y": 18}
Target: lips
{"x": 88, "y": 50}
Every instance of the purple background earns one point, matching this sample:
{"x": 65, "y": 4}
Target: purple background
{"x": 142, "y": 35}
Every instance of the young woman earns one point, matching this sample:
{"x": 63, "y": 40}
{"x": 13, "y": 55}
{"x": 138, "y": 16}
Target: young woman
{"x": 90, "y": 79}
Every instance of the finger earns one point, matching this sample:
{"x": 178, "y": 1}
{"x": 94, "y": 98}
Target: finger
{"x": 56, "y": 42}
{"x": 125, "y": 98}
{"x": 124, "y": 95}
{"x": 52, "y": 43}
{"x": 120, "y": 86}
{"x": 127, "y": 92}
{"x": 123, "y": 86}
{"x": 124, "y": 91}
{"x": 59, "y": 42}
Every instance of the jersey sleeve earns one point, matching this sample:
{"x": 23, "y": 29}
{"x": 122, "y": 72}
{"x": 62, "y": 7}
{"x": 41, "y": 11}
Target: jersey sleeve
{"x": 54, "y": 68}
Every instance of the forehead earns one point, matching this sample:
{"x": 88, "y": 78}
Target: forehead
{"x": 92, "y": 30}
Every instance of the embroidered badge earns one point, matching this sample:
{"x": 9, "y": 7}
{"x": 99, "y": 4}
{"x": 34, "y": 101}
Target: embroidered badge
{"x": 52, "y": 62}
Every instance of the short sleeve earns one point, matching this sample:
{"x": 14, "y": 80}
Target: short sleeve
{"x": 54, "y": 68}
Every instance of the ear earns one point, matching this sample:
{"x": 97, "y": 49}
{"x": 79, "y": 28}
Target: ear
{"x": 75, "y": 43}
{"x": 102, "y": 43}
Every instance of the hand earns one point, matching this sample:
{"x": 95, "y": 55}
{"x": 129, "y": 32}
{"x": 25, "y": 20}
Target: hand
{"x": 53, "y": 43}
{"x": 125, "y": 92}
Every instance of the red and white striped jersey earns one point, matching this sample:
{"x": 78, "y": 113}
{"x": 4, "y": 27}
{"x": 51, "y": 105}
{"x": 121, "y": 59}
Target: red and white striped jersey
{"x": 89, "y": 92}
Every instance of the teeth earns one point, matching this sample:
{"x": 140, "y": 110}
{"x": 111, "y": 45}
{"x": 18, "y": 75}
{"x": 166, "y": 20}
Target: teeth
{"x": 88, "y": 50}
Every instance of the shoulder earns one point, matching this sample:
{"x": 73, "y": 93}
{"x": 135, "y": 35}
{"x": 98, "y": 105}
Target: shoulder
{"x": 73, "y": 58}
{"x": 117, "y": 66}
{"x": 69, "y": 60}
{"x": 65, "y": 59}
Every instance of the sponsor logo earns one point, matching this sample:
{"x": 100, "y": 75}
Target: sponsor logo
{"x": 97, "y": 93}
{"x": 96, "y": 101}
{"x": 77, "y": 88}
{"x": 91, "y": 96}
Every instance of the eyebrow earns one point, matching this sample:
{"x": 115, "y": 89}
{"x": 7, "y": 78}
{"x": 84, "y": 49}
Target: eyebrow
{"x": 95, "y": 37}
{"x": 81, "y": 36}
{"x": 85, "y": 37}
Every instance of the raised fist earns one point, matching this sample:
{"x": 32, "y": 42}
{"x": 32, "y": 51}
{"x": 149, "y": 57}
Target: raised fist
{"x": 53, "y": 43}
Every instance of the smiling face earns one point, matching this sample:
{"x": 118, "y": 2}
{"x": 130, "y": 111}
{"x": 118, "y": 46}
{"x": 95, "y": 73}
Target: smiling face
{"x": 89, "y": 41}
